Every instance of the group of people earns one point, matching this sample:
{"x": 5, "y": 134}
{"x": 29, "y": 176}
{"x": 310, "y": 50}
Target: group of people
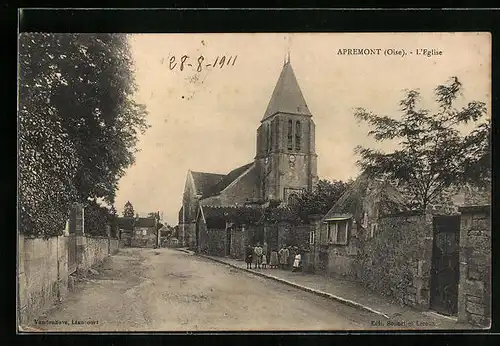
{"x": 284, "y": 258}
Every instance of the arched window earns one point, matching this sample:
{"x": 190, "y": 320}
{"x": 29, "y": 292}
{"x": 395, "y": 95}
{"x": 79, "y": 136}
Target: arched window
{"x": 290, "y": 135}
{"x": 298, "y": 134}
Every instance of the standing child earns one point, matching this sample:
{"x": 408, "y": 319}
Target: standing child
{"x": 264, "y": 261}
{"x": 248, "y": 256}
{"x": 297, "y": 262}
{"x": 273, "y": 263}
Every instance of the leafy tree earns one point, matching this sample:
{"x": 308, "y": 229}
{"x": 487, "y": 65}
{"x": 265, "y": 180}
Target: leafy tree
{"x": 433, "y": 155}
{"x": 128, "y": 210}
{"x": 97, "y": 218}
{"x": 78, "y": 123}
{"x": 320, "y": 200}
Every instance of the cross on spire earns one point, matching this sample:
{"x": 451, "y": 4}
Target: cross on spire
{"x": 286, "y": 58}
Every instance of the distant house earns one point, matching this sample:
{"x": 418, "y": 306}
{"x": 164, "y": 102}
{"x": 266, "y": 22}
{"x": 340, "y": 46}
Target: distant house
{"x": 137, "y": 232}
{"x": 144, "y": 232}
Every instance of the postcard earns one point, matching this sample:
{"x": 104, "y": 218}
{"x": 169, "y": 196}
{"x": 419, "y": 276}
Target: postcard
{"x": 254, "y": 182}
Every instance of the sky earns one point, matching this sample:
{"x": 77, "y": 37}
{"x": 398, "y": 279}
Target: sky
{"x": 207, "y": 121}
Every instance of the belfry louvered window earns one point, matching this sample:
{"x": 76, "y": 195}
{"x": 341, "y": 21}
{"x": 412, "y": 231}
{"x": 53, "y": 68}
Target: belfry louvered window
{"x": 298, "y": 133}
{"x": 290, "y": 135}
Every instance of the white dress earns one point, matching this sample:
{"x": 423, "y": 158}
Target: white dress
{"x": 296, "y": 261}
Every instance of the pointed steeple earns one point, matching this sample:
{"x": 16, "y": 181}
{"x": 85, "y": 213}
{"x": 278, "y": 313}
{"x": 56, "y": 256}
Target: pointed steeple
{"x": 287, "y": 96}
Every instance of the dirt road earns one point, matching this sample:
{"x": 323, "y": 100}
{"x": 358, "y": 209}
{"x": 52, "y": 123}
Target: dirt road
{"x": 168, "y": 290}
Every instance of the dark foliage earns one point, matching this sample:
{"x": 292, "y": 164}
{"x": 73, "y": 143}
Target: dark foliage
{"x": 78, "y": 124}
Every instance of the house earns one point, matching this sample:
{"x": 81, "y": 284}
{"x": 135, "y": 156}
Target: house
{"x": 137, "y": 231}
{"x": 416, "y": 257}
{"x": 283, "y": 167}
{"x": 145, "y": 233}
{"x": 353, "y": 219}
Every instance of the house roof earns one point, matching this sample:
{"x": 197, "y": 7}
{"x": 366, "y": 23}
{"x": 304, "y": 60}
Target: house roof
{"x": 287, "y": 96}
{"x": 126, "y": 223}
{"x": 226, "y": 180}
{"x": 144, "y": 222}
{"x": 351, "y": 202}
{"x": 204, "y": 181}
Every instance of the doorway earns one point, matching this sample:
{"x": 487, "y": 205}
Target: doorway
{"x": 445, "y": 271}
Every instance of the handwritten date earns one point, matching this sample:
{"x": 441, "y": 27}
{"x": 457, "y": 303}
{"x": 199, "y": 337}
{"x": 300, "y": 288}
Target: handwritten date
{"x": 200, "y": 62}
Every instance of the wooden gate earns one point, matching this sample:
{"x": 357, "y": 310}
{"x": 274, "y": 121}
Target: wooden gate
{"x": 445, "y": 265}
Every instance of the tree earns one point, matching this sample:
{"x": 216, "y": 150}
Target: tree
{"x": 128, "y": 210}
{"x": 78, "y": 123}
{"x": 97, "y": 218}
{"x": 433, "y": 155}
{"x": 320, "y": 200}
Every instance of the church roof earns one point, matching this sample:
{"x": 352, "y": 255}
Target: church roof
{"x": 226, "y": 180}
{"x": 287, "y": 96}
{"x": 204, "y": 181}
{"x": 238, "y": 214}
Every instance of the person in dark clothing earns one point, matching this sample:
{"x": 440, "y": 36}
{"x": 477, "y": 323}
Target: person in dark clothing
{"x": 249, "y": 256}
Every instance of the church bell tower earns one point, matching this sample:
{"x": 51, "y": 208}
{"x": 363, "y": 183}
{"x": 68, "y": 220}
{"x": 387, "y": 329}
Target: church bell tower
{"x": 286, "y": 155}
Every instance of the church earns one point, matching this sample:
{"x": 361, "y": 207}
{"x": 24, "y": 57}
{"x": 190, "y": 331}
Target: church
{"x": 216, "y": 208}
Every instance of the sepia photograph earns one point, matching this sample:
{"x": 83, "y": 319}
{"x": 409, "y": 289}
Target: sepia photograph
{"x": 254, "y": 182}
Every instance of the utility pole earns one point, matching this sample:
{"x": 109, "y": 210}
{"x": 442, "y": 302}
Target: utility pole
{"x": 157, "y": 230}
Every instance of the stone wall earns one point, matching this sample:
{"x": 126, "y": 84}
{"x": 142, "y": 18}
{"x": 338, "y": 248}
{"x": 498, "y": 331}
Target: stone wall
{"x": 474, "y": 297}
{"x": 42, "y": 274}
{"x": 216, "y": 242}
{"x": 91, "y": 251}
{"x": 114, "y": 246}
{"x": 238, "y": 243}
{"x": 189, "y": 238}
{"x": 43, "y": 269}
{"x": 397, "y": 261}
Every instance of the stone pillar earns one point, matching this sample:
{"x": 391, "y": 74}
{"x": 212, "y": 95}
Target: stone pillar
{"x": 81, "y": 240}
{"x": 474, "y": 290}
{"x": 315, "y": 222}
